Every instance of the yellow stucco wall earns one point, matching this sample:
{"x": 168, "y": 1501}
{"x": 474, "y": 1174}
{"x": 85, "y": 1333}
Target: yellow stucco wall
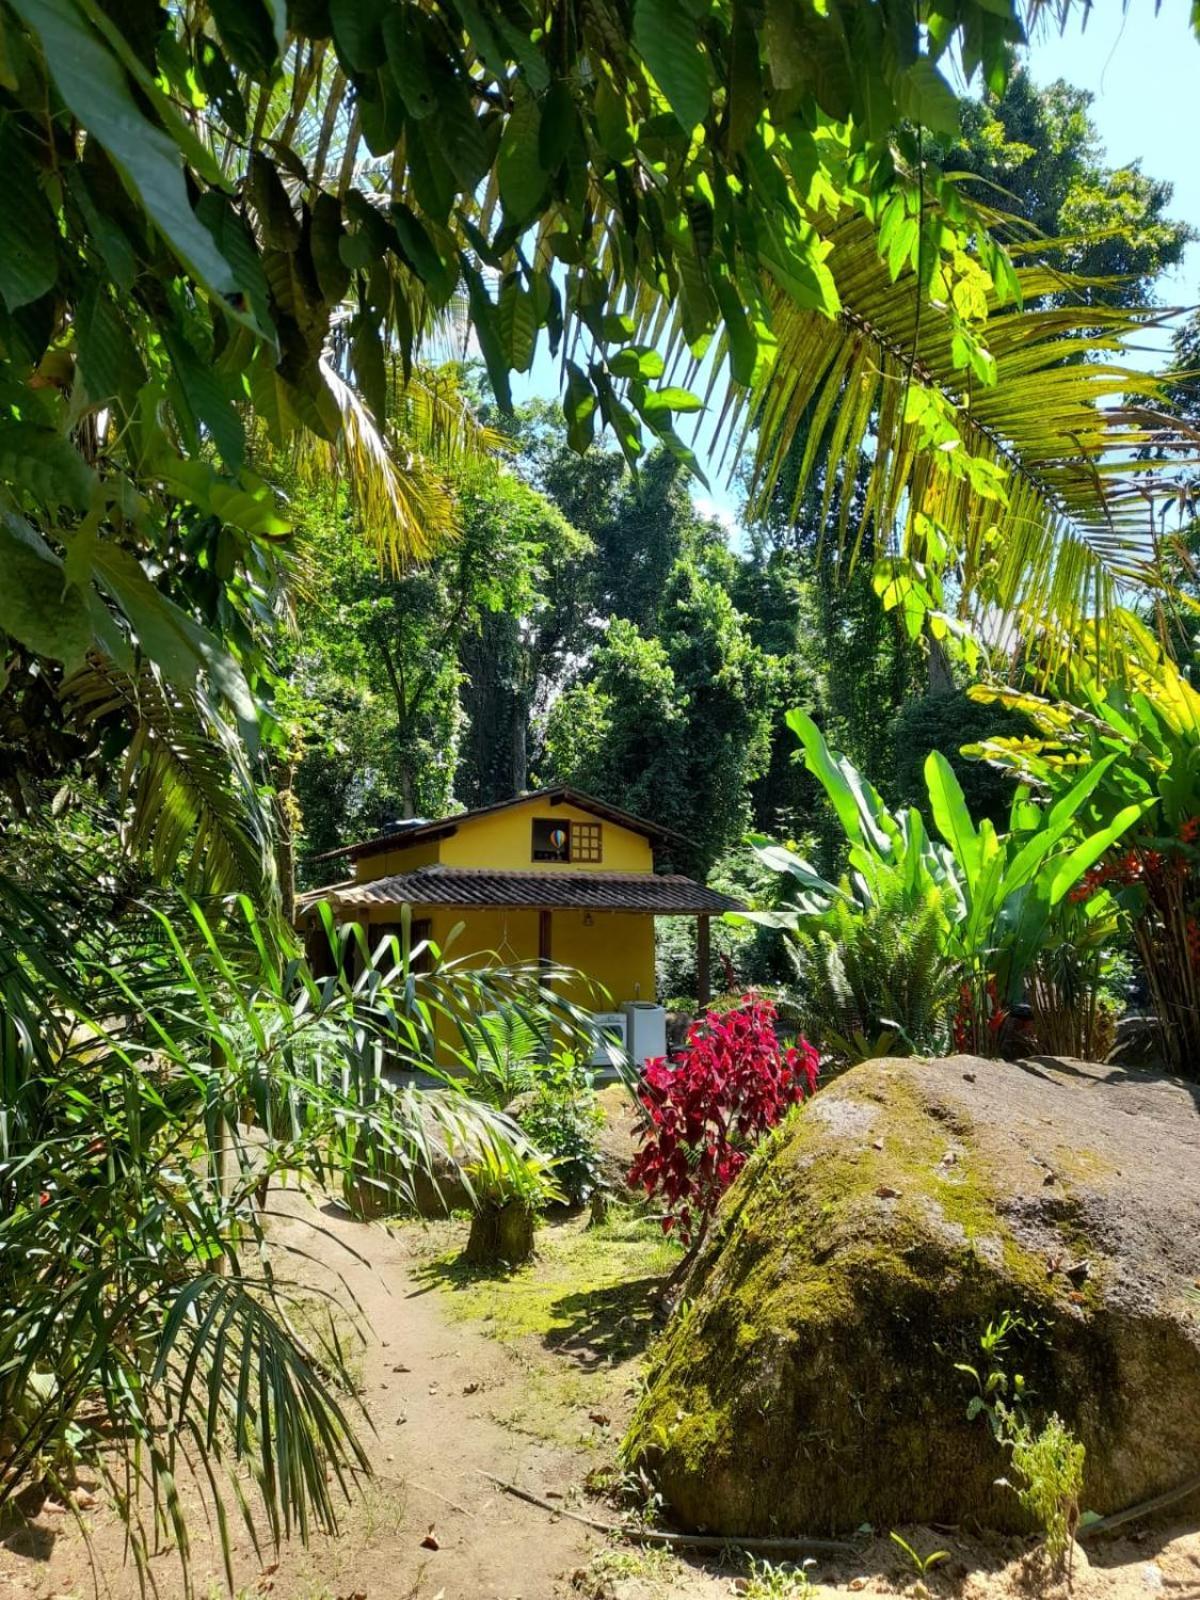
{"x": 503, "y": 840}
{"x": 615, "y": 952}
{"x": 422, "y": 853}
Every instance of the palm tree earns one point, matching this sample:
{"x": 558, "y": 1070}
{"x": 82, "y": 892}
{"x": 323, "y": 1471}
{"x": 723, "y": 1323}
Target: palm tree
{"x": 160, "y": 1067}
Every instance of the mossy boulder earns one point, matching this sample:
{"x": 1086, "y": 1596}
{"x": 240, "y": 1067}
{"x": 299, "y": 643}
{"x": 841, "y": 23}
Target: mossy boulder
{"x": 808, "y": 1381}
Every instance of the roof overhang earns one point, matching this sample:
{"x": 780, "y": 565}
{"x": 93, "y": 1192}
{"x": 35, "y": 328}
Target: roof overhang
{"x": 646, "y": 893}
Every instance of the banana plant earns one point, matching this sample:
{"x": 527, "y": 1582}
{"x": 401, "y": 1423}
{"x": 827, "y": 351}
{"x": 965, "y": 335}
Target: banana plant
{"x": 999, "y": 892}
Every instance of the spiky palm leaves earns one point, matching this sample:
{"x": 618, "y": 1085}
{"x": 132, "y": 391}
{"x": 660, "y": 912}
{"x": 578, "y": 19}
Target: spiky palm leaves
{"x": 159, "y": 1070}
{"x": 1015, "y": 465}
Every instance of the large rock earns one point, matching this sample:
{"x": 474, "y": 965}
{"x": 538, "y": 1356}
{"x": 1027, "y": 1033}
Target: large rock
{"x": 807, "y": 1384}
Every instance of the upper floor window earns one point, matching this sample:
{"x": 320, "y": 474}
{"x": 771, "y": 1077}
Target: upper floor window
{"x": 585, "y": 841}
{"x": 564, "y": 840}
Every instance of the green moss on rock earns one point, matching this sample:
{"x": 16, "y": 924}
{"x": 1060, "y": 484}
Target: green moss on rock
{"x": 809, "y": 1382}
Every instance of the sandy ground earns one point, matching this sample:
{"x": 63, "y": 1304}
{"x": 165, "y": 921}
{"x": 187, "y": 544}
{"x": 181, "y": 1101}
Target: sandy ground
{"x": 457, "y": 1385}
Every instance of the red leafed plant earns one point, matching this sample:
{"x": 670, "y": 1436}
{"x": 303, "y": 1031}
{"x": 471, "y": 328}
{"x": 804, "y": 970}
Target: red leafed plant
{"x": 710, "y": 1103}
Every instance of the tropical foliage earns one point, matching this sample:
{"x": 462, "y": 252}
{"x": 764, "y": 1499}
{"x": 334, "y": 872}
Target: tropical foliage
{"x": 971, "y": 912}
{"x": 165, "y": 1071}
{"x": 709, "y": 1105}
{"x": 1143, "y": 737}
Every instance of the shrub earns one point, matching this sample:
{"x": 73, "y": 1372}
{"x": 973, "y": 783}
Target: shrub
{"x": 946, "y": 722}
{"x": 709, "y": 1104}
{"x": 560, "y": 1115}
{"x": 876, "y": 980}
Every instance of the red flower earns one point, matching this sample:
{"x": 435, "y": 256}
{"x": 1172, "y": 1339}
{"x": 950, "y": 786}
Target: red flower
{"x": 44, "y": 1198}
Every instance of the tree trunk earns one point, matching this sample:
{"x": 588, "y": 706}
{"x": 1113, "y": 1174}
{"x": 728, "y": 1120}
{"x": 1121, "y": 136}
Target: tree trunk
{"x": 287, "y": 810}
{"x": 407, "y": 808}
{"x": 520, "y": 750}
{"x": 501, "y": 1235}
{"x": 941, "y": 679}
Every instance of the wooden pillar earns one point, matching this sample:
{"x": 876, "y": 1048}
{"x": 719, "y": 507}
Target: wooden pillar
{"x": 703, "y": 962}
{"x": 544, "y": 929}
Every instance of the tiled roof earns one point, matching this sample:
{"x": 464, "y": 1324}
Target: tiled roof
{"x": 408, "y": 832}
{"x": 660, "y": 895}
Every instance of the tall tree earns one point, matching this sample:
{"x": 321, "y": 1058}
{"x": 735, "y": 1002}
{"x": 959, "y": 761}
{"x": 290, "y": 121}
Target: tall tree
{"x": 675, "y": 726}
{"x": 1036, "y": 153}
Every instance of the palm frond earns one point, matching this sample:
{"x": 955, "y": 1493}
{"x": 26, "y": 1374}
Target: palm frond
{"x": 399, "y": 476}
{"x": 1034, "y": 486}
{"x": 186, "y": 783}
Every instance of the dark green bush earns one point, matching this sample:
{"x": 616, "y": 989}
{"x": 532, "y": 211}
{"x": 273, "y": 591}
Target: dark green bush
{"x": 946, "y": 722}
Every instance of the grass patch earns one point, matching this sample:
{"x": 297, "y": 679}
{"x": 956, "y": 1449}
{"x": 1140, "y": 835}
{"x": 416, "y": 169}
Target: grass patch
{"x": 589, "y": 1295}
{"x": 590, "y": 1292}
{"x": 651, "y": 1565}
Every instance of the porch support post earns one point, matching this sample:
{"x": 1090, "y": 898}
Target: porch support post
{"x": 544, "y": 928}
{"x": 703, "y": 962}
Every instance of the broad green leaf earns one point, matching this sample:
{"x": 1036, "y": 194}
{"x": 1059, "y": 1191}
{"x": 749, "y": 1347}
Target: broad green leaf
{"x": 487, "y": 330}
{"x": 518, "y": 325}
{"x": 951, "y": 815}
{"x": 280, "y": 229}
{"x": 859, "y": 809}
{"x": 38, "y": 607}
{"x": 108, "y": 358}
{"x": 639, "y": 361}
{"x": 252, "y": 32}
{"x": 924, "y": 96}
{"x": 28, "y": 236}
{"x": 325, "y": 235}
{"x": 1068, "y": 871}
{"x": 665, "y": 33}
{"x": 45, "y": 465}
{"x": 405, "y": 47}
{"x": 1053, "y": 825}
{"x": 206, "y": 396}
{"x": 357, "y": 31}
{"x": 519, "y": 172}
{"x": 579, "y": 408}
{"x": 95, "y": 89}
{"x": 671, "y": 399}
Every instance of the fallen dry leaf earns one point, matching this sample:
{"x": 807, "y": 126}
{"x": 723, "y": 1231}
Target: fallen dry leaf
{"x": 430, "y": 1541}
{"x": 886, "y": 1192}
{"x": 471, "y": 1388}
{"x": 599, "y": 1418}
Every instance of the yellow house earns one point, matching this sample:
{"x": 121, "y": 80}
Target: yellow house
{"x": 552, "y": 876}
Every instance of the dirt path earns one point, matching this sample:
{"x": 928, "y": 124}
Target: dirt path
{"x": 529, "y": 1378}
{"x": 430, "y": 1389}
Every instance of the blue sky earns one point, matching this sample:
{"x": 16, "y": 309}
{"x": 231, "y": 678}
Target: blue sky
{"x": 1144, "y": 71}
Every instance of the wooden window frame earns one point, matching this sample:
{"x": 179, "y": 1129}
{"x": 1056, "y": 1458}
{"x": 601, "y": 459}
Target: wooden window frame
{"x": 586, "y": 843}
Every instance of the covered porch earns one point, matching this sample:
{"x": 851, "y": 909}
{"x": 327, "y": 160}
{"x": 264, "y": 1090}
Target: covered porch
{"x": 599, "y": 924}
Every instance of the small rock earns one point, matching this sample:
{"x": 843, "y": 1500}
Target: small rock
{"x": 430, "y": 1541}
{"x": 876, "y": 1144}
{"x": 885, "y": 1192}
{"x": 1152, "y": 1577}
{"x": 856, "y": 1584}
{"x": 968, "y": 1077}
